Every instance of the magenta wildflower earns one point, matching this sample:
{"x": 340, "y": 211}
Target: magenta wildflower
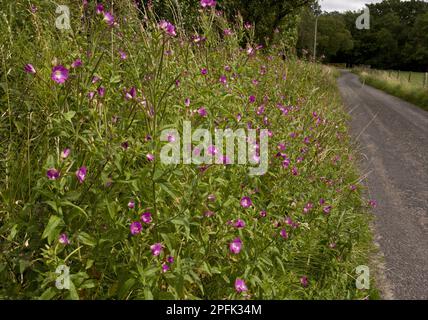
{"x": 125, "y": 145}
{"x": 227, "y": 32}
{"x": 208, "y": 3}
{"x": 235, "y": 246}
{"x": 252, "y": 99}
{"x": 91, "y": 95}
{"x": 95, "y": 79}
{"x": 227, "y": 68}
{"x": 223, "y": 79}
{"x": 99, "y": 8}
{"x": 29, "y": 68}
{"x": 108, "y": 18}
{"x": 76, "y": 63}
{"x": 131, "y": 94}
{"x": 202, "y": 112}
{"x": 284, "y": 234}
{"x": 156, "y": 249}
{"x": 150, "y": 157}
{"x": 170, "y": 259}
{"x": 146, "y": 217}
{"x": 246, "y": 202}
{"x": 59, "y": 74}
{"x": 240, "y": 285}
{"x": 212, "y": 150}
{"x": 165, "y": 267}
{"x": 52, "y": 174}
{"x": 81, "y": 174}
{"x": 238, "y": 117}
{"x": 101, "y": 91}
{"x": 263, "y": 213}
{"x": 247, "y": 25}
{"x": 168, "y": 27}
{"x": 372, "y": 203}
{"x": 239, "y": 224}
{"x": 294, "y": 171}
{"x": 123, "y": 55}
{"x": 65, "y": 153}
{"x": 187, "y": 102}
{"x": 211, "y": 197}
{"x": 304, "y": 281}
{"x": 308, "y": 207}
{"x": 63, "y": 239}
{"x": 327, "y": 209}
{"x": 170, "y": 137}
{"x": 135, "y": 228}
{"x": 204, "y": 71}
{"x": 131, "y": 204}
{"x": 208, "y": 213}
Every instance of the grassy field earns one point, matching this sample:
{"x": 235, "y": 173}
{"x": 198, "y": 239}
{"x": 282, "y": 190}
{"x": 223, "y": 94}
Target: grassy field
{"x": 410, "y": 86}
{"x": 82, "y": 184}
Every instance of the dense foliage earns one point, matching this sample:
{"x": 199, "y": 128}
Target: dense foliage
{"x": 397, "y": 38}
{"x": 81, "y": 183}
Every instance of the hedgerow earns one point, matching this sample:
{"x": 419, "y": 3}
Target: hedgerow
{"x": 82, "y": 184}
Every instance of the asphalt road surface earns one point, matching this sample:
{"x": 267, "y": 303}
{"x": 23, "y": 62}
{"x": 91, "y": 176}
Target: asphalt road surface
{"x": 392, "y": 136}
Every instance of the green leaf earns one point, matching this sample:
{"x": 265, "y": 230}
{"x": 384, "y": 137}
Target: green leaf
{"x": 69, "y": 115}
{"x": 52, "y": 228}
{"x": 126, "y": 288}
{"x": 87, "y": 239}
{"x": 48, "y": 294}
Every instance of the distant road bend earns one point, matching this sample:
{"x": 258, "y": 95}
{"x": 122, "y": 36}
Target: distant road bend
{"x": 393, "y": 137}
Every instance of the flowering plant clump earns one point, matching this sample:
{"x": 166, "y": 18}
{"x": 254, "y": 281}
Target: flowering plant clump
{"x": 82, "y": 183}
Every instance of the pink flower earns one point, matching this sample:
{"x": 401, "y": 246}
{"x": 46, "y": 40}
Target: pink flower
{"x": 235, "y": 246}
{"x": 131, "y": 204}
{"x": 263, "y": 213}
{"x": 327, "y": 209}
{"x": 165, "y": 267}
{"x": 227, "y": 32}
{"x": 308, "y": 207}
{"x": 99, "y": 8}
{"x": 202, "y": 112}
{"x": 211, "y": 197}
{"x": 240, "y": 285}
{"x": 76, "y": 63}
{"x": 252, "y": 99}
{"x": 108, "y": 18}
{"x": 122, "y": 54}
{"x": 223, "y": 79}
{"x": 170, "y": 259}
{"x": 156, "y": 249}
{"x": 81, "y": 174}
{"x": 146, "y": 217}
{"x": 246, "y": 202}
{"x": 135, "y": 228}
{"x": 212, "y": 150}
{"x": 150, "y": 157}
{"x": 187, "y": 102}
{"x": 63, "y": 239}
{"x": 65, "y": 153}
{"x": 29, "y": 69}
{"x": 284, "y": 234}
{"x": 372, "y": 203}
{"x": 168, "y": 27}
{"x": 101, "y": 91}
{"x": 131, "y": 94}
{"x": 52, "y": 174}
{"x": 304, "y": 281}
{"x": 239, "y": 224}
{"x": 204, "y": 71}
{"x": 208, "y": 3}
{"x": 59, "y": 74}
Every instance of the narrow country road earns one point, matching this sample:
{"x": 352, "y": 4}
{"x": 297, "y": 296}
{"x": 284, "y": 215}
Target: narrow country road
{"x": 393, "y": 139}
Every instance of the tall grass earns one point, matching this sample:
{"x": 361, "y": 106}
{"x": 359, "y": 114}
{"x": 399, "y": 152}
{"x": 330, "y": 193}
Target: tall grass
{"x": 398, "y": 84}
{"x": 306, "y": 221}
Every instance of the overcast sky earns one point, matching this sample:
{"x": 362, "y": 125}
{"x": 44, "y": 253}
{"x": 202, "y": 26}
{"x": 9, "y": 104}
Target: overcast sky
{"x": 344, "y": 5}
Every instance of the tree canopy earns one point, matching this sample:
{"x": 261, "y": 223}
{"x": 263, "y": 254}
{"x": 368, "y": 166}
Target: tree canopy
{"x": 397, "y": 38}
